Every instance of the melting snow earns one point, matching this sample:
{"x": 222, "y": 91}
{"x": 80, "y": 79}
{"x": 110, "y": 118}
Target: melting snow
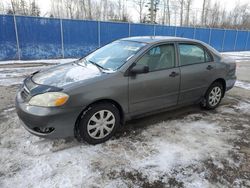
{"x": 79, "y": 73}
{"x": 44, "y": 61}
{"x": 238, "y": 56}
{"x": 173, "y": 146}
{"x": 242, "y": 84}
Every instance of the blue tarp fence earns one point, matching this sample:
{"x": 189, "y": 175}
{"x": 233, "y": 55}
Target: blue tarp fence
{"x": 24, "y": 38}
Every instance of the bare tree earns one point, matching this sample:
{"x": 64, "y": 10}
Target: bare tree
{"x": 140, "y": 5}
{"x": 55, "y": 9}
{"x": 69, "y": 6}
{"x": 245, "y": 18}
{"x": 238, "y": 13}
{"x": 206, "y": 13}
{"x": 2, "y": 9}
{"x": 203, "y": 11}
{"x": 168, "y": 12}
{"x": 24, "y": 7}
{"x": 214, "y": 15}
{"x": 89, "y": 10}
{"x": 104, "y": 9}
{"x": 188, "y": 6}
{"x": 182, "y": 4}
{"x": 83, "y": 8}
{"x": 34, "y": 9}
{"x": 15, "y": 6}
{"x": 121, "y": 11}
{"x": 112, "y": 15}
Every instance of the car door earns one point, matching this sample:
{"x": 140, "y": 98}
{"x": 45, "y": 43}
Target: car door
{"x": 159, "y": 87}
{"x": 197, "y": 68}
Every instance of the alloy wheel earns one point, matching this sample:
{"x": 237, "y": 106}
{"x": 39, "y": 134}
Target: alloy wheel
{"x": 215, "y": 96}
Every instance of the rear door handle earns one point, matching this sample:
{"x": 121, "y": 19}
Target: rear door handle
{"x": 209, "y": 67}
{"x": 174, "y": 74}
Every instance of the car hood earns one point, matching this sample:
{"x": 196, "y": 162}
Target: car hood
{"x": 65, "y": 74}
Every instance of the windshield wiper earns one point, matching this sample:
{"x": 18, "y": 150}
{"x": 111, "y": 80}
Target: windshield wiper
{"x": 82, "y": 59}
{"x": 97, "y": 65}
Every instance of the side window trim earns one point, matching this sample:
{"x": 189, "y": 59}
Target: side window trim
{"x": 193, "y": 43}
{"x": 209, "y": 54}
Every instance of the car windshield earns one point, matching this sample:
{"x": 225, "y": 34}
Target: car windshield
{"x": 113, "y": 55}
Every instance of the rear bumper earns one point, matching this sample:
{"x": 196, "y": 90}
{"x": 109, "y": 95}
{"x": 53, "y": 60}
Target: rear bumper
{"x": 230, "y": 83}
{"x": 60, "y": 121}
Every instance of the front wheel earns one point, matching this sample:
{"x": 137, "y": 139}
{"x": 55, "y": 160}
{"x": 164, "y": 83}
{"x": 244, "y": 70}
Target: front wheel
{"x": 213, "y": 96}
{"x": 98, "y": 123}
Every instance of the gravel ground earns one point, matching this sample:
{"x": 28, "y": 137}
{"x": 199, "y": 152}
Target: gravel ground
{"x": 188, "y": 147}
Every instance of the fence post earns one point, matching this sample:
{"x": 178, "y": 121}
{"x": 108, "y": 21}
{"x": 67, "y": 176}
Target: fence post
{"x": 175, "y": 31}
{"x": 210, "y": 32}
{"x": 154, "y": 30}
{"x": 235, "y": 39}
{"x": 247, "y": 40}
{"x": 223, "y": 41}
{"x": 194, "y": 32}
{"x": 129, "y": 25}
{"x": 99, "y": 34}
{"x": 17, "y": 39}
{"x": 62, "y": 38}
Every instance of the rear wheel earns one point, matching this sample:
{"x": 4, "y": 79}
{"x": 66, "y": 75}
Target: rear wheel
{"x": 213, "y": 96}
{"x": 98, "y": 123}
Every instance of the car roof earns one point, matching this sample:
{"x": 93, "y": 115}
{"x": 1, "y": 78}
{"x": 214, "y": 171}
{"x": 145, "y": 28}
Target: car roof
{"x": 159, "y": 39}
{"x": 156, "y": 39}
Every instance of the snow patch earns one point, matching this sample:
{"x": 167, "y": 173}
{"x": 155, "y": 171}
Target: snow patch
{"x": 238, "y": 56}
{"x": 242, "y": 84}
{"x": 155, "y": 151}
{"x": 13, "y": 76}
{"x": 43, "y": 61}
{"x": 76, "y": 74}
{"x": 244, "y": 107}
{"x": 182, "y": 143}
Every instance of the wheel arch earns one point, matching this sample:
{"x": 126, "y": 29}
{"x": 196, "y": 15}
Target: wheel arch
{"x": 115, "y": 103}
{"x": 223, "y": 82}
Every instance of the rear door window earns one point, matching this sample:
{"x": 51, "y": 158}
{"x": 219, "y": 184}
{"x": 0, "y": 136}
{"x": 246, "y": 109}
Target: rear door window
{"x": 192, "y": 54}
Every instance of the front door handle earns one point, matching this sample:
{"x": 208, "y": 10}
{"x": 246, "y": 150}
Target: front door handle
{"x": 174, "y": 74}
{"x": 209, "y": 67}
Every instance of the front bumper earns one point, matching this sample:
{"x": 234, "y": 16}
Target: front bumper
{"x": 60, "y": 120}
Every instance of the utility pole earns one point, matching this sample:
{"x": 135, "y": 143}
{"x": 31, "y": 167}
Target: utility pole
{"x": 153, "y": 8}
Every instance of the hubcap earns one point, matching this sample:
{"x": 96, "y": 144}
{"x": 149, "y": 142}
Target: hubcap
{"x": 214, "y": 96}
{"x": 101, "y": 124}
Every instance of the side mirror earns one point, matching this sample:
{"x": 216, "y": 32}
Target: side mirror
{"x": 139, "y": 69}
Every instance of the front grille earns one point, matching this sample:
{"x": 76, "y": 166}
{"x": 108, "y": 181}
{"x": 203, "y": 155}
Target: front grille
{"x": 25, "y": 93}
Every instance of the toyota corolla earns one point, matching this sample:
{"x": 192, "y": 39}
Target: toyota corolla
{"x": 126, "y": 79}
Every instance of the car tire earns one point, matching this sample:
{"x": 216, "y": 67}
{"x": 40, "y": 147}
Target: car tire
{"x": 98, "y": 123}
{"x": 213, "y": 96}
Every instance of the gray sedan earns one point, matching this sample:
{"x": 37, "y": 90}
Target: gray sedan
{"x": 126, "y": 79}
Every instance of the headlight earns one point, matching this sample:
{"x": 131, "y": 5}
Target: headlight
{"x": 49, "y": 99}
